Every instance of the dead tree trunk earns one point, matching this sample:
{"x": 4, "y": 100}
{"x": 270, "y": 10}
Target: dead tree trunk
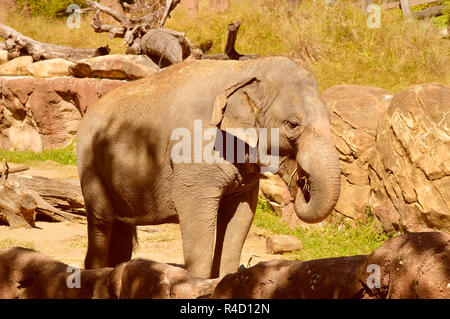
{"x": 435, "y": 11}
{"x": 230, "y": 52}
{"x": 17, "y": 44}
{"x": 22, "y": 198}
{"x": 16, "y": 207}
{"x": 145, "y": 34}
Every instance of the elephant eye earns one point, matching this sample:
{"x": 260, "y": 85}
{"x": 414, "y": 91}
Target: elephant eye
{"x": 293, "y": 124}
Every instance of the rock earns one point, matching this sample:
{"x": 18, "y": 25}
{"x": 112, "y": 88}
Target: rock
{"x": 415, "y": 265}
{"x": 274, "y": 190}
{"x": 115, "y": 66}
{"x": 23, "y": 138}
{"x": 17, "y": 66}
{"x": 409, "y": 166}
{"x": 3, "y": 56}
{"x": 50, "y": 68}
{"x": 289, "y": 217}
{"x": 354, "y": 113}
{"x": 38, "y": 113}
{"x": 27, "y": 274}
{"x": 283, "y": 279}
{"x": 146, "y": 279}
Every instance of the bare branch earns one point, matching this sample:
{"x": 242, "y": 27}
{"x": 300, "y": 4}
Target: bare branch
{"x": 123, "y": 19}
{"x": 17, "y": 44}
{"x": 113, "y": 30}
{"x": 167, "y": 10}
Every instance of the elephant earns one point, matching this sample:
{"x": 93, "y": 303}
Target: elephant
{"x": 129, "y": 175}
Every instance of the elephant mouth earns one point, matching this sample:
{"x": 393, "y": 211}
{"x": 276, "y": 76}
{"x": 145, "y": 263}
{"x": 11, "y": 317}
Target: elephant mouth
{"x": 301, "y": 181}
{"x": 303, "y": 184}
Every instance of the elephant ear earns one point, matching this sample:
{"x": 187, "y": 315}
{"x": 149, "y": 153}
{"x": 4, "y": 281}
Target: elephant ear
{"x": 236, "y": 108}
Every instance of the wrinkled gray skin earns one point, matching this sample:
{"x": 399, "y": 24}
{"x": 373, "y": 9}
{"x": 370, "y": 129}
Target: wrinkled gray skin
{"x": 128, "y": 177}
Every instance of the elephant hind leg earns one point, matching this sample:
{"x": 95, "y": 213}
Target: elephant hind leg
{"x": 121, "y": 243}
{"x": 100, "y": 217}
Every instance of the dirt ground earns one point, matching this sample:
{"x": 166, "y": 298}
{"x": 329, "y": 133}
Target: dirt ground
{"x": 67, "y": 241}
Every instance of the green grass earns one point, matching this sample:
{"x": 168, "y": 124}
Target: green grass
{"x": 328, "y": 240}
{"x": 335, "y": 41}
{"x": 64, "y": 155}
{"x": 8, "y": 243}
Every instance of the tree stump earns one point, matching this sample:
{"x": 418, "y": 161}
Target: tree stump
{"x": 282, "y": 243}
{"x": 16, "y": 207}
{"x": 22, "y": 198}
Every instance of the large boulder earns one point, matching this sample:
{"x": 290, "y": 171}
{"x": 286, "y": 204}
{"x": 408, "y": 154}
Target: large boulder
{"x": 37, "y": 113}
{"x": 410, "y": 163}
{"x": 282, "y": 279}
{"x": 415, "y": 265}
{"x": 3, "y": 56}
{"x": 115, "y": 66}
{"x": 27, "y": 274}
{"x": 17, "y": 66}
{"x": 50, "y": 68}
{"x": 274, "y": 190}
{"x": 409, "y": 266}
{"x": 354, "y": 113}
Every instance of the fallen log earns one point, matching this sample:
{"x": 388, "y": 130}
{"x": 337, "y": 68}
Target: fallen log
{"x": 22, "y": 198}
{"x": 16, "y": 169}
{"x": 17, "y": 208}
{"x": 435, "y": 11}
{"x": 17, "y": 45}
{"x": 60, "y": 193}
{"x": 57, "y": 199}
{"x": 145, "y": 34}
{"x": 282, "y": 243}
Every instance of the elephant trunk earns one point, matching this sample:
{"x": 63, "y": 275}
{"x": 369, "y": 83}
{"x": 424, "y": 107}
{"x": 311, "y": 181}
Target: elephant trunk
{"x": 319, "y": 182}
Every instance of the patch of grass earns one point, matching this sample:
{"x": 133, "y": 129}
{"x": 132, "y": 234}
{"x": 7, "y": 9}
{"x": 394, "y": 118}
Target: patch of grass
{"x": 327, "y": 240}
{"x": 8, "y": 243}
{"x": 335, "y": 40}
{"x": 64, "y": 155}
{"x": 49, "y": 8}
{"x": 55, "y": 31}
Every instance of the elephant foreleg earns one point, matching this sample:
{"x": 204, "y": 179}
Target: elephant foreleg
{"x": 234, "y": 219}
{"x": 197, "y": 211}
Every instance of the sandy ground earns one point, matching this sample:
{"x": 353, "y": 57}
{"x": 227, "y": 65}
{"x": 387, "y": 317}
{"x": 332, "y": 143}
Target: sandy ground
{"x": 67, "y": 241}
